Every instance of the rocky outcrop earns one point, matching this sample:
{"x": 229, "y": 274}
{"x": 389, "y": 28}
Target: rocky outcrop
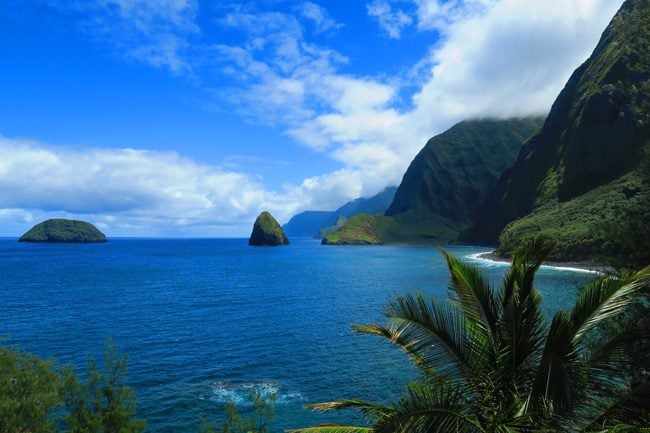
{"x": 267, "y": 232}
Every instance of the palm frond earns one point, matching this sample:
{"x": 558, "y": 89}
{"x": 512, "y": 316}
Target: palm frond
{"x": 331, "y": 428}
{"x": 437, "y": 337}
{"x": 552, "y": 390}
{"x": 394, "y": 336}
{"x": 607, "y": 357}
{"x": 526, "y": 260}
{"x": 632, "y": 407}
{"x": 604, "y": 298}
{"x": 522, "y": 331}
{"x": 429, "y": 408}
{"x": 366, "y": 407}
{"x": 474, "y": 297}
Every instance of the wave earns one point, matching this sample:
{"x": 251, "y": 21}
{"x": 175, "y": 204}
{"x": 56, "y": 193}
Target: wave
{"x": 239, "y": 393}
{"x": 480, "y": 258}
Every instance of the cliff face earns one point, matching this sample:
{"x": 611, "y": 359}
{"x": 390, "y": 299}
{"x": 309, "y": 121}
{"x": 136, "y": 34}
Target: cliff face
{"x": 594, "y": 141}
{"x": 444, "y": 185}
{"x": 456, "y": 169}
{"x": 63, "y": 230}
{"x": 267, "y": 232}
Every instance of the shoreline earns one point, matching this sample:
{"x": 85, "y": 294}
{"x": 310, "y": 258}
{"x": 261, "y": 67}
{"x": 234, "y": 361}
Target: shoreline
{"x": 585, "y": 267}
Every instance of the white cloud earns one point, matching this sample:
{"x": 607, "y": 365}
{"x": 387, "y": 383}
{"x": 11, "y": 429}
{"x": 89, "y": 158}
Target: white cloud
{"x": 495, "y": 58}
{"x": 126, "y": 186}
{"x": 392, "y": 21}
{"x": 439, "y": 14}
{"x": 319, "y": 16}
{"x": 150, "y": 31}
{"x": 511, "y": 60}
{"x": 140, "y": 193}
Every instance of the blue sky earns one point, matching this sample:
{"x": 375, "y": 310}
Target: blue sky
{"x": 188, "y": 117}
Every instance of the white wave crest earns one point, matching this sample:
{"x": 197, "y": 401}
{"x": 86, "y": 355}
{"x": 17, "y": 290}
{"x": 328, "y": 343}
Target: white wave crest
{"x": 240, "y": 393}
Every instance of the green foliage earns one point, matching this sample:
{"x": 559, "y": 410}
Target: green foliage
{"x": 102, "y": 403}
{"x": 340, "y": 222}
{"x": 36, "y": 396}
{"x": 263, "y": 413}
{"x": 30, "y": 392}
{"x": 63, "y": 230}
{"x": 491, "y": 362}
{"x": 608, "y": 225}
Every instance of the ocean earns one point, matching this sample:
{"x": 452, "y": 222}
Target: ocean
{"x": 204, "y": 321}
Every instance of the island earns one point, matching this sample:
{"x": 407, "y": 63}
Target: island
{"x": 267, "y": 232}
{"x": 63, "y": 230}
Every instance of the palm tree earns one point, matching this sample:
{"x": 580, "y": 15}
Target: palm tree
{"x": 491, "y": 362}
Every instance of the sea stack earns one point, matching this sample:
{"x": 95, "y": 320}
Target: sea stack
{"x": 63, "y": 230}
{"x": 267, "y": 232}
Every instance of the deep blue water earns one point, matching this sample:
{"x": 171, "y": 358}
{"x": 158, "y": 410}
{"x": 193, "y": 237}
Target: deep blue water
{"x": 205, "y": 320}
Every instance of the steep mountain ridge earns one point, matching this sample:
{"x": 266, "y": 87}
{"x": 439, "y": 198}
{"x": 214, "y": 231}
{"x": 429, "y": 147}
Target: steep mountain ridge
{"x": 456, "y": 169}
{"x": 595, "y": 138}
{"x": 307, "y": 224}
{"x": 446, "y": 182}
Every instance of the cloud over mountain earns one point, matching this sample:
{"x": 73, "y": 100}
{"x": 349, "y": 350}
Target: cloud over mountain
{"x": 282, "y": 68}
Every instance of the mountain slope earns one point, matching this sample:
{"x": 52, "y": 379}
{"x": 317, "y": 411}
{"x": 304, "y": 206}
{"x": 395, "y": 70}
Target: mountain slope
{"x": 310, "y": 223}
{"x": 446, "y": 182}
{"x": 457, "y": 169}
{"x": 376, "y": 204}
{"x": 594, "y": 141}
{"x": 313, "y": 223}
{"x": 307, "y": 223}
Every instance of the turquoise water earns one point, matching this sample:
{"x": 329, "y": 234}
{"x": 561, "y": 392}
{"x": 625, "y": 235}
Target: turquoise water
{"x": 203, "y": 321}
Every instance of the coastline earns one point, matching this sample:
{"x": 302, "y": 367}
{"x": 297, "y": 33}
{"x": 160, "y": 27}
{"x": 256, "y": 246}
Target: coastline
{"x": 586, "y": 267}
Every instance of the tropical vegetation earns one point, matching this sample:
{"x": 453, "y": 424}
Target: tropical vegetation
{"x": 490, "y": 361}
{"x": 63, "y": 230}
{"x": 37, "y": 396}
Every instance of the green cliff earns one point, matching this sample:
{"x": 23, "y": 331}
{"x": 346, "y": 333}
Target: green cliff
{"x": 63, "y": 230}
{"x": 267, "y": 232}
{"x": 444, "y": 185}
{"x": 583, "y": 179}
{"x": 362, "y": 229}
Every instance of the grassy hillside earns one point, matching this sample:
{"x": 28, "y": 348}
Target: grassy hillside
{"x": 318, "y": 223}
{"x": 367, "y": 229}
